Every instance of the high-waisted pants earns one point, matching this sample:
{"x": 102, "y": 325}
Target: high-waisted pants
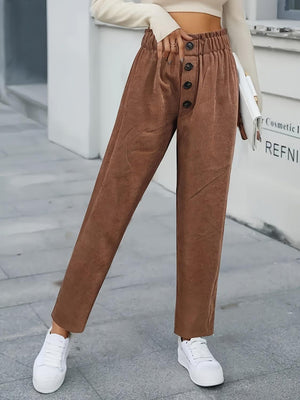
{"x": 199, "y": 99}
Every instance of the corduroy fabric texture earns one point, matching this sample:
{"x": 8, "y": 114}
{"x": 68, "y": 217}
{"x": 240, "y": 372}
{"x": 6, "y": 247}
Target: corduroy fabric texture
{"x": 153, "y": 106}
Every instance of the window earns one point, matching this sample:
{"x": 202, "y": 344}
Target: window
{"x": 289, "y": 9}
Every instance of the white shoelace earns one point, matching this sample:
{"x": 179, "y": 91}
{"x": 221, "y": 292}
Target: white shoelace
{"x": 53, "y": 354}
{"x": 199, "y": 349}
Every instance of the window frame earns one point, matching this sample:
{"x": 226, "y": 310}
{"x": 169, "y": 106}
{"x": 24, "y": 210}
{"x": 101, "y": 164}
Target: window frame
{"x": 286, "y": 14}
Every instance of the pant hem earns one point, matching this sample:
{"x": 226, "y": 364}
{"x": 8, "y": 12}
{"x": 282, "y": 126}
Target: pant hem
{"x": 71, "y": 328}
{"x": 190, "y": 334}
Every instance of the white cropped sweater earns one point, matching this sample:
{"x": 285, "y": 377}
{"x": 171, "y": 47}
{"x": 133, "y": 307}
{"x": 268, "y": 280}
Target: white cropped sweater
{"x": 155, "y": 14}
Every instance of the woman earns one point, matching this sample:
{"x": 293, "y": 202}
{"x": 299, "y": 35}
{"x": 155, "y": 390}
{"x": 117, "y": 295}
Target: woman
{"x": 183, "y": 78}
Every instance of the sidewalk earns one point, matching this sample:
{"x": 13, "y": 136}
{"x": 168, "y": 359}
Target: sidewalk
{"x": 128, "y": 350}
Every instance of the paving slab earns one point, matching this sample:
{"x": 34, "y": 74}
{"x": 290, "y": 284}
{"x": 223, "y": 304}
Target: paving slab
{"x": 75, "y": 387}
{"x": 23, "y": 243}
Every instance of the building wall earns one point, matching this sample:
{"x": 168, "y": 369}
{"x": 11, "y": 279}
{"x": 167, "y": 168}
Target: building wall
{"x": 71, "y": 80}
{"x": 25, "y": 41}
{"x": 2, "y": 50}
{"x": 265, "y": 190}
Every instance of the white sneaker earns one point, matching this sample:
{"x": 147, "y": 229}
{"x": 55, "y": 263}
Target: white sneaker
{"x": 50, "y": 365}
{"x": 203, "y": 368}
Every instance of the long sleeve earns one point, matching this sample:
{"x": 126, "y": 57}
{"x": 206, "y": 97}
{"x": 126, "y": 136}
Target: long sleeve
{"x": 133, "y": 15}
{"x": 234, "y": 20}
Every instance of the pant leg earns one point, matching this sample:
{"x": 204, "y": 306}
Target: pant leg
{"x": 206, "y": 134}
{"x": 144, "y": 126}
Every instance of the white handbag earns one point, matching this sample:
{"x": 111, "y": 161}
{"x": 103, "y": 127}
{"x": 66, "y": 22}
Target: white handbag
{"x": 249, "y": 110}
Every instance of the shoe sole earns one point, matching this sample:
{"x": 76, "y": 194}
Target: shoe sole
{"x": 43, "y": 389}
{"x": 201, "y": 382}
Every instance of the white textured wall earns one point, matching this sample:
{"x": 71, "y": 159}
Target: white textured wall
{"x": 69, "y": 70}
{"x": 266, "y": 9}
{"x": 265, "y": 187}
{"x": 258, "y": 9}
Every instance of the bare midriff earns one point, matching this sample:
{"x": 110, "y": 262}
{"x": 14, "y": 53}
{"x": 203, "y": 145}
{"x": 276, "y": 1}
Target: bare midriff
{"x": 196, "y": 22}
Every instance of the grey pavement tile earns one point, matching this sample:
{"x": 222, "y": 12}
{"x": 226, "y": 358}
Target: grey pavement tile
{"x": 138, "y": 299}
{"x": 247, "y": 255}
{"x": 23, "y": 290}
{"x": 52, "y": 205}
{"x": 258, "y": 336}
{"x": 106, "y": 338}
{"x": 236, "y": 233}
{"x": 2, "y": 274}
{"x": 135, "y": 267}
{"x": 75, "y": 386}
{"x": 241, "y": 354}
{"x": 191, "y": 395}
{"x": 158, "y": 190}
{"x": 255, "y": 315}
{"x": 17, "y": 128}
{"x": 90, "y": 167}
{"x": 159, "y": 326}
{"x": 257, "y": 280}
{"x": 269, "y": 324}
{"x": 21, "y": 243}
{"x": 10, "y": 369}
{"x": 110, "y": 342}
{"x": 45, "y": 286}
{"x": 22, "y": 159}
{"x": 23, "y": 350}
{"x": 251, "y": 335}
{"x": 35, "y": 262}
{"x": 26, "y": 145}
{"x": 14, "y": 119}
{"x": 5, "y": 108}
{"x": 144, "y": 376}
{"x": 167, "y": 220}
{"x": 62, "y": 237}
{"x": 12, "y": 226}
{"x": 281, "y": 385}
{"x": 241, "y": 357}
{"x": 149, "y": 237}
{"x": 47, "y": 189}
{"x": 8, "y": 210}
{"x": 28, "y": 138}
{"x": 99, "y": 314}
{"x": 19, "y": 321}
{"x": 282, "y": 343}
{"x": 28, "y": 224}
{"x": 155, "y": 203}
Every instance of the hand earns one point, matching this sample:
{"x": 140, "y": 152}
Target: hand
{"x": 242, "y": 129}
{"x": 241, "y": 126}
{"x": 257, "y": 132}
{"x": 172, "y": 44}
{"x": 258, "y": 135}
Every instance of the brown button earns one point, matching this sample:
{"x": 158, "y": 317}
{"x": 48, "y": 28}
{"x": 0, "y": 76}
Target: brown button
{"x": 189, "y": 45}
{"x": 187, "y": 104}
{"x": 188, "y": 66}
{"x": 187, "y": 85}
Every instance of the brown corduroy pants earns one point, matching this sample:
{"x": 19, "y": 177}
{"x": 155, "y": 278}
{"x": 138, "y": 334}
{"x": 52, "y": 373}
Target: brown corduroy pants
{"x": 199, "y": 98}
